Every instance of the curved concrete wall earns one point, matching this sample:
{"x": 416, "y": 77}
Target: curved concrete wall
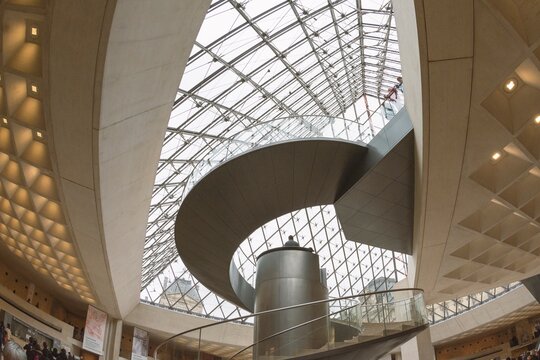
{"x": 481, "y": 316}
{"x": 166, "y": 323}
{"x": 229, "y": 203}
{"x": 114, "y": 70}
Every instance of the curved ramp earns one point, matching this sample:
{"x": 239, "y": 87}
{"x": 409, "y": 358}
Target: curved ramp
{"x": 244, "y": 193}
{"x": 366, "y": 349}
{"x": 371, "y": 187}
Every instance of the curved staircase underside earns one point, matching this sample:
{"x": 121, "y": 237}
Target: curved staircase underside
{"x": 371, "y": 181}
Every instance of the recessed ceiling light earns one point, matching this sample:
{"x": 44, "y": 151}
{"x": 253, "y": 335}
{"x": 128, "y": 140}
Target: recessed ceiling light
{"x": 537, "y": 119}
{"x": 496, "y": 156}
{"x": 510, "y": 85}
{"x": 34, "y": 88}
{"x": 34, "y": 31}
{"x": 39, "y": 134}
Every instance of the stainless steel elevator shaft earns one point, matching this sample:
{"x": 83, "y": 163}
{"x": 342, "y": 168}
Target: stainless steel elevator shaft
{"x": 286, "y": 276}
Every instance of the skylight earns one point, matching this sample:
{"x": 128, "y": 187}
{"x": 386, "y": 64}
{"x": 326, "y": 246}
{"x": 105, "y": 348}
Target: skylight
{"x": 254, "y": 62}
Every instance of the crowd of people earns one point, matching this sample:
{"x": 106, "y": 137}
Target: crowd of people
{"x": 31, "y": 351}
{"x": 36, "y": 352}
{"x": 528, "y": 355}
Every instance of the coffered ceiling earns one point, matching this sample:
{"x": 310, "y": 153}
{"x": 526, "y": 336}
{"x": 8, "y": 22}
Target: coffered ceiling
{"x": 33, "y": 221}
{"x": 479, "y": 221}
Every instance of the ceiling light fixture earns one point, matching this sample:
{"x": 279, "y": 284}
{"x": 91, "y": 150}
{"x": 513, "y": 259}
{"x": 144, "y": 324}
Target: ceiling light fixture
{"x": 34, "y": 88}
{"x": 4, "y": 120}
{"x": 34, "y": 31}
{"x": 39, "y": 134}
{"x": 537, "y": 119}
{"x": 510, "y": 85}
{"x": 496, "y": 156}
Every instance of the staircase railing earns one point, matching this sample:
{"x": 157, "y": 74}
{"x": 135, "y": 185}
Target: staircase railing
{"x": 349, "y": 320}
{"x": 369, "y": 123}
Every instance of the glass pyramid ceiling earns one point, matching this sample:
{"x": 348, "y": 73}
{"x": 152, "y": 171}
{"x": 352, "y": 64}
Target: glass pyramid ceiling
{"x": 255, "y": 61}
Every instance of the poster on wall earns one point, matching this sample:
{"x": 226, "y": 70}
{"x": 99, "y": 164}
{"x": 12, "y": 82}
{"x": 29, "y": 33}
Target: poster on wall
{"x": 139, "y": 349}
{"x": 94, "y": 331}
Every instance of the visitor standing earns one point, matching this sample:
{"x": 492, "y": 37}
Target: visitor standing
{"x": 62, "y": 355}
{"x": 7, "y": 333}
{"x": 45, "y": 352}
{"x": 1, "y": 336}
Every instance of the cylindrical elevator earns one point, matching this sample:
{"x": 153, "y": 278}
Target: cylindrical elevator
{"x": 286, "y": 276}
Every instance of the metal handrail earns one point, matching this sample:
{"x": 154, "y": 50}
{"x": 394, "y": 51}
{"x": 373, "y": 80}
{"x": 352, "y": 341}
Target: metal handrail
{"x": 309, "y": 116}
{"x": 291, "y": 329}
{"x": 200, "y": 168}
{"x": 281, "y": 309}
{"x": 300, "y": 325}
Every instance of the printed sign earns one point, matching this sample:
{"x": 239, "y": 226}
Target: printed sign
{"x": 94, "y": 332}
{"x": 139, "y": 349}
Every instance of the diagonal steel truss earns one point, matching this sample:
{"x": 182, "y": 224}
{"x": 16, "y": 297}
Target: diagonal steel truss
{"x": 447, "y": 309}
{"x": 252, "y": 63}
{"x": 285, "y": 57}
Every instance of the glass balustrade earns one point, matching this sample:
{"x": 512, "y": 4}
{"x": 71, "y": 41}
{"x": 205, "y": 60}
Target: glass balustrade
{"x": 296, "y": 127}
{"x": 347, "y": 321}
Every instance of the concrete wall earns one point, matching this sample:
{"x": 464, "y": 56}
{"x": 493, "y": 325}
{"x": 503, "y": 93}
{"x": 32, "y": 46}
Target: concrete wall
{"x": 482, "y": 315}
{"x": 114, "y": 70}
{"x": 166, "y": 323}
